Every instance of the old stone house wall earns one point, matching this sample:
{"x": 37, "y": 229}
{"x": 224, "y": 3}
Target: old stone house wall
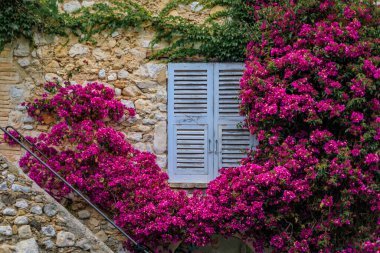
{"x": 119, "y": 59}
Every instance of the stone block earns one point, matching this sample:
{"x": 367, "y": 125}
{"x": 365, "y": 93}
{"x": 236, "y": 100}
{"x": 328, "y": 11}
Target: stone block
{"x": 27, "y": 246}
{"x": 160, "y": 138}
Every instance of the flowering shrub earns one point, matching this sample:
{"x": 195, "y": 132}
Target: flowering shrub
{"x": 310, "y": 94}
{"x": 98, "y": 161}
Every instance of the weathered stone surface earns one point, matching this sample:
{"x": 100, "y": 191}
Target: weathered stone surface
{"x": 27, "y": 119}
{"x": 24, "y": 62}
{"x": 127, "y": 103}
{"x": 36, "y": 210}
{"x": 149, "y": 121}
{"x": 196, "y": 6}
{"x": 22, "y": 48}
{"x": 24, "y": 231}
{"x": 102, "y": 236}
{"x": 16, "y": 92}
{"x": 100, "y": 55}
{"x": 134, "y": 136}
{"x": 151, "y": 70}
{"x": 65, "y": 239}
{"x": 123, "y": 74}
{"x": 78, "y": 49}
{"x": 27, "y": 127}
{"x": 27, "y": 246}
{"x": 83, "y": 244}
{"x": 48, "y": 230}
{"x": 146, "y": 84}
{"x": 102, "y": 73}
{"x": 27, "y": 232}
{"x": 84, "y": 214}
{"x": 162, "y": 160}
{"x": 143, "y": 106}
{"x": 21, "y": 220}
{"x": 71, "y": 7}
{"x": 131, "y": 91}
{"x": 112, "y": 77}
{"x": 22, "y": 203}
{"x": 50, "y": 210}
{"x": 160, "y": 137}
{"x": 3, "y": 186}
{"x": 9, "y": 211}
{"x": 161, "y": 96}
{"x": 11, "y": 178}
{"x": 117, "y": 92}
{"x": 51, "y": 77}
{"x": 41, "y": 39}
{"x": 6, "y": 248}
{"x": 49, "y": 244}
{"x": 87, "y": 3}
{"x": 115, "y": 34}
{"x": 5, "y": 230}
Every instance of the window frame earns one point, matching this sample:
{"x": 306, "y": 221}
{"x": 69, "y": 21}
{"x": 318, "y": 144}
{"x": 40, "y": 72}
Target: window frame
{"x": 213, "y": 136}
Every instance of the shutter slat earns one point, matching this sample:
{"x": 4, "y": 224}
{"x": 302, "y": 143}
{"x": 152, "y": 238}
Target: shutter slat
{"x": 200, "y": 97}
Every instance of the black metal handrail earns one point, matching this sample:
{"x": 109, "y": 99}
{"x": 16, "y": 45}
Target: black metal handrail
{"x": 138, "y": 247}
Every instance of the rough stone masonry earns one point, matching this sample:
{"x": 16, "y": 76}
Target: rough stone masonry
{"x": 31, "y": 221}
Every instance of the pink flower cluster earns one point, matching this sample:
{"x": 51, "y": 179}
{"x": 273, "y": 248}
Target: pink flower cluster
{"x": 98, "y": 161}
{"x": 74, "y": 103}
{"x": 309, "y": 94}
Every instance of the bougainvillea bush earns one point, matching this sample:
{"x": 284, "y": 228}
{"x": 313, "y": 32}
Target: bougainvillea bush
{"x": 310, "y": 92}
{"x": 98, "y": 161}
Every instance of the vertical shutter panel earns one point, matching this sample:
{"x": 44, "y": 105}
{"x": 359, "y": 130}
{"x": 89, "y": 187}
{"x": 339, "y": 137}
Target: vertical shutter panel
{"x": 190, "y": 111}
{"x": 232, "y": 141}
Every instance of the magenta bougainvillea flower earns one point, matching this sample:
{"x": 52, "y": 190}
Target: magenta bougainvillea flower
{"x": 309, "y": 94}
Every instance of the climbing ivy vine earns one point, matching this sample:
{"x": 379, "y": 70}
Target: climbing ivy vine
{"x": 222, "y": 36}
{"x": 23, "y": 17}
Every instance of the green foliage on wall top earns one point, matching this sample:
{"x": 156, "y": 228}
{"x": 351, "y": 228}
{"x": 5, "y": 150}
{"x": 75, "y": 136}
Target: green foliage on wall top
{"x": 221, "y": 37}
{"x": 24, "y": 17}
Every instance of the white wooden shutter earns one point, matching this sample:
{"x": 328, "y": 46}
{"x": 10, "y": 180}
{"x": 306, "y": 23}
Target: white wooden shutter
{"x": 232, "y": 141}
{"x": 190, "y": 117}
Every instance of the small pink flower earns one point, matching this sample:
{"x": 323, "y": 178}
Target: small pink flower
{"x": 356, "y": 117}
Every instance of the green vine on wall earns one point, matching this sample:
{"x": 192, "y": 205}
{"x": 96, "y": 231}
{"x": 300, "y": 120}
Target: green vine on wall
{"x": 24, "y": 17}
{"x": 221, "y": 37}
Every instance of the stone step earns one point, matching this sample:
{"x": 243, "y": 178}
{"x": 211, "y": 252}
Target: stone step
{"x": 4, "y": 119}
{"x": 7, "y": 67}
{"x": 12, "y": 77}
{"x": 5, "y": 147}
{"x": 5, "y": 87}
{"x": 9, "y": 82}
{"x": 4, "y": 102}
{"x": 4, "y": 113}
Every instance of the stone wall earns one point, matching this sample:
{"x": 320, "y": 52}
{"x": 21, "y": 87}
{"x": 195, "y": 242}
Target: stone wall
{"x": 119, "y": 60}
{"x": 31, "y": 221}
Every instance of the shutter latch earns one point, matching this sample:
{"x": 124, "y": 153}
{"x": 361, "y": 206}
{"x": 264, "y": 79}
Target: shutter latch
{"x": 210, "y": 146}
